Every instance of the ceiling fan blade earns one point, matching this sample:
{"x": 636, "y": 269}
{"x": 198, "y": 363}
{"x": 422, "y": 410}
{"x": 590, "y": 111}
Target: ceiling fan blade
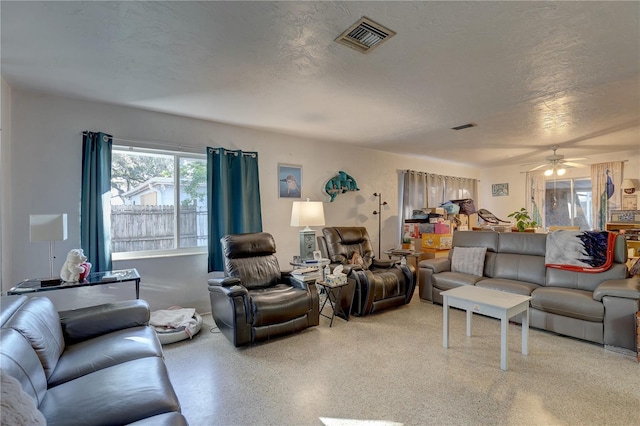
{"x": 575, "y": 159}
{"x": 570, "y": 164}
{"x": 538, "y": 167}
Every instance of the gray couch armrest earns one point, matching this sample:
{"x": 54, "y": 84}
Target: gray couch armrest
{"x": 627, "y": 288}
{"x": 85, "y": 323}
{"x": 437, "y": 265}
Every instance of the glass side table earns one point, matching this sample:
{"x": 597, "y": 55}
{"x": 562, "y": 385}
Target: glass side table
{"x": 96, "y": 278}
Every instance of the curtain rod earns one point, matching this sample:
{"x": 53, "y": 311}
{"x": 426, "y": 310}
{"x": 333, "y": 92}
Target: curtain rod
{"x": 147, "y": 143}
{"x": 435, "y": 174}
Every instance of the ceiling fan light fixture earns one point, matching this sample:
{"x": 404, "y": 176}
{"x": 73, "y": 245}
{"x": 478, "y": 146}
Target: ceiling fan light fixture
{"x": 548, "y": 172}
{"x": 561, "y": 172}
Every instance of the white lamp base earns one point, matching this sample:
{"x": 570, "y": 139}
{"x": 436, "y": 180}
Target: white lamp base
{"x": 307, "y": 243}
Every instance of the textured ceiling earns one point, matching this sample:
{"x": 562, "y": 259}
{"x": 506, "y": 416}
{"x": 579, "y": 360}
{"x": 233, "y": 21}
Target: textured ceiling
{"x": 529, "y": 74}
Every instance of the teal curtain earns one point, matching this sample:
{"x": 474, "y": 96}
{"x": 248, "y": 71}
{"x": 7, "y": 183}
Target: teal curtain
{"x": 95, "y": 208}
{"x": 233, "y": 198}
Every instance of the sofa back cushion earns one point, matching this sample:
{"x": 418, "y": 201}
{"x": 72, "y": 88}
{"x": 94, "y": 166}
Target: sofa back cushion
{"x": 488, "y": 239}
{"x": 584, "y": 280}
{"x": 520, "y": 257}
{"x": 251, "y": 257}
{"x": 38, "y": 321}
{"x": 19, "y": 360}
{"x": 343, "y": 242}
{"x": 10, "y": 304}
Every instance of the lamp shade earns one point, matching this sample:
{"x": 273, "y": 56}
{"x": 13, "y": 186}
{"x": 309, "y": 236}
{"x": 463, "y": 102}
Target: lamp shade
{"x": 47, "y": 227}
{"x": 307, "y": 213}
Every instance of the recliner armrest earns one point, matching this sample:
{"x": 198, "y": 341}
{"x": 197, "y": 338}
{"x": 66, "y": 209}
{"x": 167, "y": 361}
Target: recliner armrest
{"x": 224, "y": 281}
{"x": 628, "y": 288}
{"x": 437, "y": 265}
{"x": 384, "y": 264}
{"x": 85, "y": 323}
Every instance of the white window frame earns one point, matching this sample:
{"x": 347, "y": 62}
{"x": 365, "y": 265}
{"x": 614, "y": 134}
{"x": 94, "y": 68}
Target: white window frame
{"x": 176, "y": 251}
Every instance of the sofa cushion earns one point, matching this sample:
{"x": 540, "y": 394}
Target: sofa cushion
{"x": 19, "y": 360}
{"x": 520, "y": 267}
{"x": 511, "y": 286}
{"x": 105, "y": 351}
{"x": 279, "y": 303}
{"x": 449, "y": 280}
{"x": 120, "y": 394}
{"x": 38, "y": 321}
{"x": 468, "y": 260}
{"x": 570, "y": 303}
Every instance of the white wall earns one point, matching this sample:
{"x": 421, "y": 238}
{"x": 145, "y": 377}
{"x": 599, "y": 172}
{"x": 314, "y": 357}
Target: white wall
{"x": 46, "y": 153}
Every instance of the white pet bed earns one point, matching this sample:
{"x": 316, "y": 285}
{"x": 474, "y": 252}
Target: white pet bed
{"x": 173, "y": 336}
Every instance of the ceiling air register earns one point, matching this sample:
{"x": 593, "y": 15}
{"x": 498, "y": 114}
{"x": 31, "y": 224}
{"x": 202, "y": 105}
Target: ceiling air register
{"x": 365, "y": 35}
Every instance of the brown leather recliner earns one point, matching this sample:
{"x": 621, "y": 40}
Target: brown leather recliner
{"x": 380, "y": 284}
{"x": 256, "y": 301}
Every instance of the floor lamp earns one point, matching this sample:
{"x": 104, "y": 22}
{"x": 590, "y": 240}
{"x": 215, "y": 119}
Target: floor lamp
{"x": 48, "y": 227}
{"x": 307, "y": 213}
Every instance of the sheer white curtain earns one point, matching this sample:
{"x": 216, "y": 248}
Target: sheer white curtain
{"x": 422, "y": 189}
{"x": 606, "y": 179}
{"x": 535, "y": 189}
{"x": 457, "y": 188}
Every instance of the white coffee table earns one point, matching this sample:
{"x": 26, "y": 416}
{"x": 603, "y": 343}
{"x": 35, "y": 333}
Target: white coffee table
{"x": 493, "y": 303}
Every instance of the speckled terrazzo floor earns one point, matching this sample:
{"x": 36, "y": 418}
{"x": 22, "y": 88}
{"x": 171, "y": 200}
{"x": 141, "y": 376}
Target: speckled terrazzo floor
{"x": 391, "y": 369}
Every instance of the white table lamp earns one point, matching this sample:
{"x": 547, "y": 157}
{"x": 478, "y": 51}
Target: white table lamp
{"x": 307, "y": 213}
{"x": 628, "y": 186}
{"x": 48, "y": 227}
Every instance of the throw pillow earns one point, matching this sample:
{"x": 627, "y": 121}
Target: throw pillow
{"x": 18, "y": 408}
{"x": 468, "y": 260}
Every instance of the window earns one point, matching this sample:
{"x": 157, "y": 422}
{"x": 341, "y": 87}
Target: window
{"x": 158, "y": 202}
{"x": 568, "y": 203}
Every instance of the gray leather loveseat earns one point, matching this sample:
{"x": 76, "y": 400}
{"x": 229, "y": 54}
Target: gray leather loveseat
{"x": 598, "y": 307}
{"x": 91, "y": 366}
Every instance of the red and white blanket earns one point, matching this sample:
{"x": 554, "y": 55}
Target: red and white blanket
{"x": 581, "y": 251}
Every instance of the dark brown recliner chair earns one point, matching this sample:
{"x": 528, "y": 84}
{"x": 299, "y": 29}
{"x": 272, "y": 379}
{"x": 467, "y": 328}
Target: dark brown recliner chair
{"x": 256, "y": 301}
{"x": 380, "y": 284}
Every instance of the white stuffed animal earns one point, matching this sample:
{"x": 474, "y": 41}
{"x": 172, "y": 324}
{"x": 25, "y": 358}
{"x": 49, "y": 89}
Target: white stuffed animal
{"x": 75, "y": 266}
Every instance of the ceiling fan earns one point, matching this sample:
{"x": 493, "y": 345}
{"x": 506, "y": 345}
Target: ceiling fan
{"x": 557, "y": 164}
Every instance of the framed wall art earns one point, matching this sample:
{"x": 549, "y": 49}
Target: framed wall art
{"x": 500, "y": 189}
{"x": 289, "y": 181}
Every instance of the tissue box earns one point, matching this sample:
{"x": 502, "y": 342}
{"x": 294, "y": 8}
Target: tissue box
{"x": 336, "y": 279}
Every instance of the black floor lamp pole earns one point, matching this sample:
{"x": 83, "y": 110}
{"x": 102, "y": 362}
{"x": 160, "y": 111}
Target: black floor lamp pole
{"x": 379, "y": 213}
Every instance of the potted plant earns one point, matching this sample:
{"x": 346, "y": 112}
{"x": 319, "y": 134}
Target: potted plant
{"x": 406, "y": 242}
{"x": 523, "y": 220}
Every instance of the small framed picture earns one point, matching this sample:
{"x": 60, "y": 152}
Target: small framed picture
{"x": 317, "y": 255}
{"x": 289, "y": 181}
{"x": 500, "y": 189}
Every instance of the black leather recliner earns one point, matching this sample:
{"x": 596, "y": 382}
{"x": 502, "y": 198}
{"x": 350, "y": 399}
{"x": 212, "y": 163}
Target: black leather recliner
{"x": 256, "y": 301}
{"x": 380, "y": 284}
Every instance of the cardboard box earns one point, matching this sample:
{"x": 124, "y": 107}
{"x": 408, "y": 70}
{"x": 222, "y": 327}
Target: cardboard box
{"x": 433, "y": 254}
{"x": 436, "y": 241}
{"x": 442, "y": 228}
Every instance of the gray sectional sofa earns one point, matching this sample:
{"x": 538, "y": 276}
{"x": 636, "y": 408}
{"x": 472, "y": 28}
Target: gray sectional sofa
{"x": 598, "y": 307}
{"x": 90, "y": 366}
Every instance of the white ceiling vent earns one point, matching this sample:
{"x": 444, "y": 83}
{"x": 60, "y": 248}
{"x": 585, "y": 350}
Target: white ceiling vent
{"x": 365, "y": 35}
